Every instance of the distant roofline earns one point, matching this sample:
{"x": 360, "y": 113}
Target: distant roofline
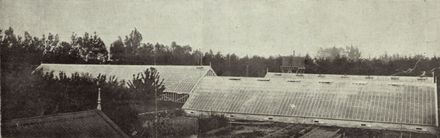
{"x": 346, "y": 75}
{"x": 126, "y": 65}
{"x": 244, "y": 77}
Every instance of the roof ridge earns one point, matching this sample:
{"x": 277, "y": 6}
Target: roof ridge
{"x": 47, "y": 116}
{"x": 344, "y": 75}
{"x": 111, "y": 123}
{"x": 64, "y": 118}
{"x": 126, "y": 65}
{"x": 200, "y": 79}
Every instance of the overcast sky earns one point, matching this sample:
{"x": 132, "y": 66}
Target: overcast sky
{"x": 245, "y": 27}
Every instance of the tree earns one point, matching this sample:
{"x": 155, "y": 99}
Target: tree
{"x": 330, "y": 53}
{"x": 309, "y": 64}
{"x": 146, "y": 86}
{"x": 91, "y": 48}
{"x": 353, "y": 53}
{"x": 117, "y": 51}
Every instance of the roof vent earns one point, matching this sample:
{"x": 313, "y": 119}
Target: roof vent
{"x": 234, "y": 78}
{"x": 293, "y": 81}
{"x": 394, "y": 84}
{"x": 263, "y": 79}
{"x": 359, "y": 83}
{"x": 421, "y": 79}
{"x": 325, "y": 82}
{"x": 394, "y": 78}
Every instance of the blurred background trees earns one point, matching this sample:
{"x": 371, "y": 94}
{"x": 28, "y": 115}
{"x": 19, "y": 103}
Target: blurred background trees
{"x": 90, "y": 49}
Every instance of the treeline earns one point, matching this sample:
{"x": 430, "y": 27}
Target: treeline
{"x": 384, "y": 65}
{"x": 90, "y": 49}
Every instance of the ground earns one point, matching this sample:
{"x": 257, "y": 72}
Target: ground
{"x": 281, "y": 130}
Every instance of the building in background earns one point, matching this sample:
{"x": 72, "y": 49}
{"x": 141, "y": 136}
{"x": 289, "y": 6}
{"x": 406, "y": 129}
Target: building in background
{"x": 179, "y": 81}
{"x": 293, "y": 64}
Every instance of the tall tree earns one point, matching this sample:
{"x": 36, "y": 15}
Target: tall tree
{"x": 91, "y": 48}
{"x": 147, "y": 85}
{"x": 353, "y": 53}
{"x": 117, "y": 51}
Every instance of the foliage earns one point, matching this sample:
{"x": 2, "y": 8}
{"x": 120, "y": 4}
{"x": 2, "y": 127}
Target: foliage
{"x": 146, "y": 87}
{"x": 90, "y": 48}
{"x": 212, "y": 122}
{"x": 175, "y": 127}
{"x": 351, "y": 53}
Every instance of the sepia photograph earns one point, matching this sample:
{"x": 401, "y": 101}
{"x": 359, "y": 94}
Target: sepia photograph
{"x": 219, "y": 68}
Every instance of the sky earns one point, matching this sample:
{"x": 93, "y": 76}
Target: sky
{"x": 244, "y": 27}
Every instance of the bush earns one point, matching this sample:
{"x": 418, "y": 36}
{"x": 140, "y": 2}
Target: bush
{"x": 212, "y": 122}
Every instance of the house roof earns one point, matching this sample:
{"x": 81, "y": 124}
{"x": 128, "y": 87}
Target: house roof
{"x": 374, "y": 101}
{"x": 91, "y": 123}
{"x": 338, "y": 77}
{"x": 177, "y": 79}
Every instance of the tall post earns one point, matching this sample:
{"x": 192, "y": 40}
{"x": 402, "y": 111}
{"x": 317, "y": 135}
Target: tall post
{"x": 99, "y": 98}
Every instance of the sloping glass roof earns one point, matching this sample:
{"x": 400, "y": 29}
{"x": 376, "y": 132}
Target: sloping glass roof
{"x": 372, "y": 101}
{"x": 178, "y": 79}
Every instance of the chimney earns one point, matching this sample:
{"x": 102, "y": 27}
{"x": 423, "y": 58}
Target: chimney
{"x": 294, "y": 53}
